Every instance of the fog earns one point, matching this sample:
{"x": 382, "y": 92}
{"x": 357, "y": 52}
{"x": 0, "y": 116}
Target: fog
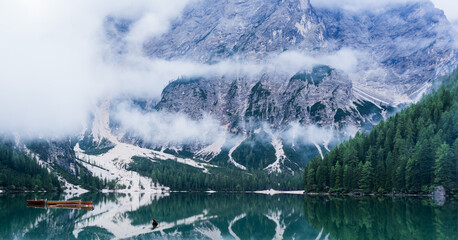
{"x": 54, "y": 61}
{"x": 168, "y": 129}
{"x": 297, "y": 134}
{"x": 57, "y": 65}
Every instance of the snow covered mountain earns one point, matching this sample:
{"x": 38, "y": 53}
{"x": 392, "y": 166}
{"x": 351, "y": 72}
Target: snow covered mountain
{"x": 296, "y": 80}
{"x": 399, "y": 50}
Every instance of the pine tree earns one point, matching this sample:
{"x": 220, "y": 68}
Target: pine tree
{"x": 365, "y": 181}
{"x": 347, "y": 177}
{"x": 310, "y": 180}
{"x": 444, "y": 167}
{"x": 339, "y": 175}
{"x": 408, "y": 152}
{"x": 412, "y": 171}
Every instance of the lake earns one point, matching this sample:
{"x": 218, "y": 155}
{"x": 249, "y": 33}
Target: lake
{"x": 229, "y": 216}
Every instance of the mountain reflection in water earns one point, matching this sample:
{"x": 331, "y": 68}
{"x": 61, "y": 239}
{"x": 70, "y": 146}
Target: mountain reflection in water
{"x": 229, "y": 216}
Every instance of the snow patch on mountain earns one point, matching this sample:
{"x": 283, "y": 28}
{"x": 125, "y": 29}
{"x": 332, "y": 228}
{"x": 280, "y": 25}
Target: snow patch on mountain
{"x": 211, "y": 151}
{"x": 113, "y": 164}
{"x": 280, "y": 156}
{"x": 319, "y": 150}
{"x": 421, "y": 91}
{"x": 69, "y": 188}
{"x": 231, "y": 159}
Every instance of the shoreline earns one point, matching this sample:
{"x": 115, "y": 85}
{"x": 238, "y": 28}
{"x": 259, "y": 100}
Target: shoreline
{"x": 266, "y": 192}
{"x": 374, "y": 194}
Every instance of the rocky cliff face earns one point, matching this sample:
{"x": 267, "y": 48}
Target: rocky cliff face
{"x": 320, "y": 96}
{"x": 402, "y": 48}
{"x": 397, "y": 51}
{"x": 56, "y": 153}
{"x": 212, "y": 30}
{"x": 410, "y": 44}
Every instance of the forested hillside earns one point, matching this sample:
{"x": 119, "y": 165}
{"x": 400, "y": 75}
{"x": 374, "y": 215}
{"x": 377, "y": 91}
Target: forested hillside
{"x": 409, "y": 152}
{"x": 19, "y": 171}
{"x": 186, "y": 178}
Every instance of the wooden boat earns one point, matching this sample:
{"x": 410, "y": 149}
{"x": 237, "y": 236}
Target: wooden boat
{"x": 71, "y": 206}
{"x": 36, "y": 202}
{"x": 74, "y": 204}
{"x": 36, "y": 205}
{"x": 64, "y": 202}
{"x": 89, "y": 208}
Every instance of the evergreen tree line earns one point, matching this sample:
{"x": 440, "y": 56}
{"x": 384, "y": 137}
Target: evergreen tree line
{"x": 409, "y": 152}
{"x": 19, "y": 171}
{"x": 182, "y": 177}
{"x": 85, "y": 179}
{"x": 382, "y": 218}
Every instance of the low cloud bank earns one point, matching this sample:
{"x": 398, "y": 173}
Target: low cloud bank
{"x": 297, "y": 134}
{"x": 54, "y": 67}
{"x": 58, "y": 65}
{"x": 165, "y": 128}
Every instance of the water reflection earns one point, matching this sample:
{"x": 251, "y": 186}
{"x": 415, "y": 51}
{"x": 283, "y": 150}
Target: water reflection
{"x": 180, "y": 216}
{"x": 382, "y": 218}
{"x": 228, "y": 216}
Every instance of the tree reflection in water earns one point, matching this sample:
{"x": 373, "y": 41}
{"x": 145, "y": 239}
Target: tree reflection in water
{"x": 382, "y": 218}
{"x": 229, "y": 216}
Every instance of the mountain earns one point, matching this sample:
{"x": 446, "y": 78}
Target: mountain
{"x": 409, "y": 152}
{"x": 400, "y": 50}
{"x": 291, "y": 82}
{"x": 210, "y": 30}
{"x": 405, "y": 45}
{"x": 18, "y": 171}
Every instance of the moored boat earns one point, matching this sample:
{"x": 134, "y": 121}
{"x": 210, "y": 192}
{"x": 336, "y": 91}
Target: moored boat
{"x": 43, "y": 206}
{"x": 36, "y": 202}
{"x": 64, "y": 202}
{"x": 71, "y": 206}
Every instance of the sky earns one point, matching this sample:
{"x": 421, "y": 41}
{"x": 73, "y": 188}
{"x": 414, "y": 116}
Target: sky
{"x": 450, "y": 8}
{"x": 56, "y": 64}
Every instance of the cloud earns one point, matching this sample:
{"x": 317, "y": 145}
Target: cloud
{"x": 152, "y": 75}
{"x": 292, "y": 61}
{"x": 450, "y": 9}
{"x": 166, "y": 128}
{"x": 53, "y": 68}
{"x": 297, "y": 134}
{"x": 57, "y": 64}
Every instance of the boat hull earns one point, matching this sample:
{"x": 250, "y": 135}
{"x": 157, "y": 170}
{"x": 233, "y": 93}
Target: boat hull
{"x": 37, "y": 202}
{"x": 71, "y": 206}
{"x": 64, "y": 202}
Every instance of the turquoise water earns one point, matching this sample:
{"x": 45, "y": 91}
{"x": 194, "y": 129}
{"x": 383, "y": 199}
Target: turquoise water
{"x": 229, "y": 216}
